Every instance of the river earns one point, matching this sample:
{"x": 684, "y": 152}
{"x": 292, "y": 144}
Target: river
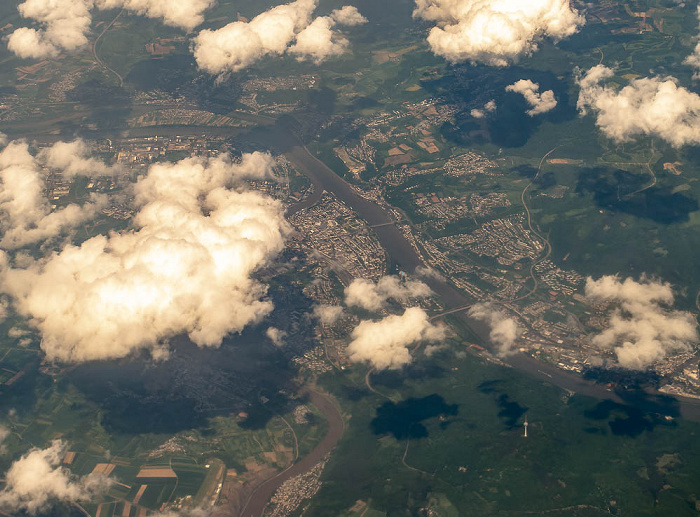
{"x": 255, "y": 505}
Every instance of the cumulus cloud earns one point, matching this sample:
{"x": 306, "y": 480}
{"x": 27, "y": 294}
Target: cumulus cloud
{"x": 540, "y": 102}
{"x": 652, "y": 106}
{"x": 72, "y": 159}
{"x": 372, "y": 297}
{"x": 186, "y": 15}
{"x": 504, "y": 330}
{"x": 185, "y": 267}
{"x": 328, "y": 314}
{"x": 495, "y": 32}
{"x": 25, "y": 214}
{"x": 319, "y": 41}
{"x": 693, "y": 60}
{"x": 489, "y": 107}
{"x": 65, "y": 24}
{"x": 276, "y": 335}
{"x": 37, "y": 479}
{"x": 384, "y": 343}
{"x": 349, "y": 16}
{"x": 643, "y": 327}
{"x": 285, "y": 28}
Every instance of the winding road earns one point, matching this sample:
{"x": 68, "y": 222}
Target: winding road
{"x": 94, "y": 49}
{"x": 529, "y": 224}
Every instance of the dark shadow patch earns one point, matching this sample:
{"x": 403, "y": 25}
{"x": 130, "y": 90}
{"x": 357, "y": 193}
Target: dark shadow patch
{"x": 621, "y": 191}
{"x": 404, "y": 419}
{"x": 323, "y": 100}
{"x": 363, "y": 103}
{"x": 509, "y": 125}
{"x": 526, "y": 171}
{"x": 510, "y": 411}
{"x": 165, "y": 73}
{"x": 487, "y": 387}
{"x": 138, "y": 396}
{"x": 633, "y": 420}
{"x": 354, "y": 394}
{"x": 110, "y": 105}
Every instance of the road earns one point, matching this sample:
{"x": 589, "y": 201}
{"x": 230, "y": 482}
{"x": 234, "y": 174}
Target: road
{"x": 97, "y": 58}
{"x": 529, "y": 224}
{"x": 255, "y": 506}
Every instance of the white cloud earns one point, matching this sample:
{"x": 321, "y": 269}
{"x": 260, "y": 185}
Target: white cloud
{"x": 504, "y": 330}
{"x": 285, "y": 28}
{"x": 37, "y": 479}
{"x": 372, "y": 297}
{"x": 489, "y": 107}
{"x": 65, "y": 24}
{"x": 25, "y": 214}
{"x": 693, "y": 60}
{"x": 495, "y": 32}
{"x": 540, "y": 102}
{"x": 349, "y": 16}
{"x": 72, "y": 159}
{"x": 328, "y": 314}
{"x": 427, "y": 272}
{"x": 643, "y": 329}
{"x": 654, "y": 106}
{"x": 186, "y": 266}
{"x": 384, "y": 343}
{"x": 276, "y": 335}
{"x": 319, "y": 41}
{"x": 186, "y": 15}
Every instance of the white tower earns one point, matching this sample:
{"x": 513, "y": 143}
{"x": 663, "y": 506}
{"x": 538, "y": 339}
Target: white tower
{"x": 525, "y": 427}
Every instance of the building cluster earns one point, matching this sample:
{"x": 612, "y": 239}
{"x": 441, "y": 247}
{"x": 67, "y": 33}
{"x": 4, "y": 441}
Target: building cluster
{"x": 273, "y": 84}
{"x": 559, "y": 280}
{"x": 142, "y": 151}
{"x": 334, "y": 232}
{"x": 505, "y": 240}
{"x": 357, "y": 157}
{"x": 182, "y": 116}
{"x": 294, "y": 491}
{"x": 449, "y": 209}
{"x": 468, "y": 164}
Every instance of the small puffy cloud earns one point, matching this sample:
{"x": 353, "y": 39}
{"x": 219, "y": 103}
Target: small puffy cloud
{"x": 65, "y": 24}
{"x": 495, "y": 32}
{"x": 349, "y": 16}
{"x": 384, "y": 343}
{"x": 643, "y": 328}
{"x": 540, "y": 102}
{"x": 185, "y": 268}
{"x": 328, "y": 314}
{"x": 25, "y": 214}
{"x": 372, "y": 297}
{"x": 650, "y": 106}
{"x": 285, "y": 28}
{"x": 276, "y": 335}
{"x": 504, "y": 330}
{"x": 319, "y": 41}
{"x": 693, "y": 60}
{"x": 37, "y": 479}
{"x": 429, "y": 273}
{"x": 489, "y": 107}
